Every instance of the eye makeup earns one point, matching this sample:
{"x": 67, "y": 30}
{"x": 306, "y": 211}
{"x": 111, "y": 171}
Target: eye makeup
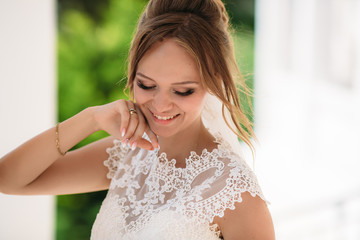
{"x": 188, "y": 92}
{"x": 142, "y": 86}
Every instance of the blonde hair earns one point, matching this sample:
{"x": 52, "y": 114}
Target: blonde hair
{"x": 202, "y": 28}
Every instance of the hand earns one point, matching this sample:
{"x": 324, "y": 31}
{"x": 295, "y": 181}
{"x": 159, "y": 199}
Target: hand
{"x": 115, "y": 119}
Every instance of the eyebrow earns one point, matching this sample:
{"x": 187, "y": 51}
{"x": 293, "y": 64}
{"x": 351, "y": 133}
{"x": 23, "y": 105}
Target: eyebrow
{"x": 177, "y": 83}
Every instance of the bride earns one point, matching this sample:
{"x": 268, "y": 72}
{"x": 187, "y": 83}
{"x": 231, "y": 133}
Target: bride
{"x": 172, "y": 163}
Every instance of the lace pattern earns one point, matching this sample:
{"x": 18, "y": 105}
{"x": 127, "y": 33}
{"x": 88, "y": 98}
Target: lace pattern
{"x": 149, "y": 196}
{"x": 116, "y": 154}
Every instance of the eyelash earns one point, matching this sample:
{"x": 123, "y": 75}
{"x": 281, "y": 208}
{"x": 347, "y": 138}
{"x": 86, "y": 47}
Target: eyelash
{"x": 183, "y": 94}
{"x": 142, "y": 86}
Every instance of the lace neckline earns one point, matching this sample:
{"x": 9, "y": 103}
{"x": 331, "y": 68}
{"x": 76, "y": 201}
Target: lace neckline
{"x": 149, "y": 195}
{"x": 193, "y": 158}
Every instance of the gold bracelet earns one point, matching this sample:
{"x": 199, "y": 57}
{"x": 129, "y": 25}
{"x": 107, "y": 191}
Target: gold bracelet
{"x": 57, "y": 141}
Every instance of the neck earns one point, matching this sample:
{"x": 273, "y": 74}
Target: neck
{"x": 179, "y": 146}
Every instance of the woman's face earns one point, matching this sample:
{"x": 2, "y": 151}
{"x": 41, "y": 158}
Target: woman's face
{"x": 168, "y": 90}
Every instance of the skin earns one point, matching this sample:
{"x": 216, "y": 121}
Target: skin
{"x": 169, "y": 74}
{"x": 172, "y": 91}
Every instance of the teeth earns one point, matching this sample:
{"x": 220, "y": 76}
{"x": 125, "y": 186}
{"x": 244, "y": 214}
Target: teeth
{"x": 164, "y": 118}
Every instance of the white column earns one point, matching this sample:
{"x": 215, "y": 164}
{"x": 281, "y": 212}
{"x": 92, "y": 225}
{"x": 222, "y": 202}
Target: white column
{"x": 27, "y": 104}
{"x": 307, "y": 116}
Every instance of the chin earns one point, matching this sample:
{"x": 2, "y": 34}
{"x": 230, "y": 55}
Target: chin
{"x": 163, "y": 132}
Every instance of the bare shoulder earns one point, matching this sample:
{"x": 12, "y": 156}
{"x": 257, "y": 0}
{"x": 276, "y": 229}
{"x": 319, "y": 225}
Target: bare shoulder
{"x": 250, "y": 219}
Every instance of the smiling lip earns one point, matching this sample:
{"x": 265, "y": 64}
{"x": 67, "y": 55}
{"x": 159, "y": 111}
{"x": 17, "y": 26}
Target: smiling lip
{"x": 164, "y": 119}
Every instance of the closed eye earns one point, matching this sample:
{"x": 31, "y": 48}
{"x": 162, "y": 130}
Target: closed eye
{"x": 180, "y": 93}
{"x": 187, "y": 93}
{"x": 142, "y": 86}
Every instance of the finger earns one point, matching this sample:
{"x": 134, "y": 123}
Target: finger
{"x": 145, "y": 144}
{"x": 140, "y": 129}
{"x": 133, "y": 121}
{"x": 153, "y": 138}
{"x": 125, "y": 117}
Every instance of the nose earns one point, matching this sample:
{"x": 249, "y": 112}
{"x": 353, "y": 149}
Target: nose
{"x": 162, "y": 102}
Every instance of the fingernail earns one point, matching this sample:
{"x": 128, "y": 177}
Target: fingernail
{"x": 122, "y": 132}
{"x": 133, "y": 146}
{"x": 123, "y": 142}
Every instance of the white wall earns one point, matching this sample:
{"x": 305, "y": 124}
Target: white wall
{"x": 308, "y": 116}
{"x": 27, "y": 104}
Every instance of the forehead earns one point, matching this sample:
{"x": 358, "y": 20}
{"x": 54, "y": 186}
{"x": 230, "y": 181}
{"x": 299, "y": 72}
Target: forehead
{"x": 168, "y": 60}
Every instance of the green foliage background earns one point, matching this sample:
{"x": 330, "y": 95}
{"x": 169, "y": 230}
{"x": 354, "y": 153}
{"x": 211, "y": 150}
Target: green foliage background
{"x": 93, "y": 42}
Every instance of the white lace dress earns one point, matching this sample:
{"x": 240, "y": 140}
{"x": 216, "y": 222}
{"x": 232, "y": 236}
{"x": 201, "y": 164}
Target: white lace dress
{"x": 150, "y": 198}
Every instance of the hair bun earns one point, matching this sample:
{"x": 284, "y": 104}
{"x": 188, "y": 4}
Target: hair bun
{"x": 212, "y": 11}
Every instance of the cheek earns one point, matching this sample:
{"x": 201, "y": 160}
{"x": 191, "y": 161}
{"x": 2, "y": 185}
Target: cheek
{"x": 193, "y": 104}
{"x": 141, "y": 96}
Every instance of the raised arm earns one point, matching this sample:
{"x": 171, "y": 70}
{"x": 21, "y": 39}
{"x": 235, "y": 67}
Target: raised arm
{"x": 36, "y": 167}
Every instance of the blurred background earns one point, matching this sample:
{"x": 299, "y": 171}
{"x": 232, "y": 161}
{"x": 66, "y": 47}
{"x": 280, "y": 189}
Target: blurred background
{"x": 301, "y": 57}
{"x": 307, "y": 117}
